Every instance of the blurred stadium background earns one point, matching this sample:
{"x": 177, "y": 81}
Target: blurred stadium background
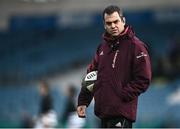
{"x": 56, "y": 39}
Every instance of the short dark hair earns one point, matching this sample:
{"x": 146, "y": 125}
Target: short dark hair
{"x": 111, "y": 9}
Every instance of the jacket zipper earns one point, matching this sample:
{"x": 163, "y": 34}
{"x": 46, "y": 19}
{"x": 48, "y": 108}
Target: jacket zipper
{"x": 114, "y": 59}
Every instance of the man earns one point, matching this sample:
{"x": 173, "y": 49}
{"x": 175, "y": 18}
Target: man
{"x": 124, "y": 72}
{"x": 69, "y": 117}
{"x": 47, "y": 116}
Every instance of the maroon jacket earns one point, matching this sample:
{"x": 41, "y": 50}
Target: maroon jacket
{"x": 124, "y": 72}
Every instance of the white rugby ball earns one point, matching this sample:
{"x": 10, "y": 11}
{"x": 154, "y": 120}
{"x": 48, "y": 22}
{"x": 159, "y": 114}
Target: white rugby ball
{"x": 89, "y": 80}
{"x": 92, "y": 76}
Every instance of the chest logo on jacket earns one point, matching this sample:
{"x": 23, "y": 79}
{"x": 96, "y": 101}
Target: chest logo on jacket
{"x": 102, "y": 53}
{"x": 141, "y": 55}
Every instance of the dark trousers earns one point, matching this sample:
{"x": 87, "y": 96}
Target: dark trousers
{"x": 116, "y": 122}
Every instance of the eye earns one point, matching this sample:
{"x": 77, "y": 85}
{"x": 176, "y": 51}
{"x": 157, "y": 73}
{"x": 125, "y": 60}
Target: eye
{"x": 108, "y": 23}
{"x": 115, "y": 22}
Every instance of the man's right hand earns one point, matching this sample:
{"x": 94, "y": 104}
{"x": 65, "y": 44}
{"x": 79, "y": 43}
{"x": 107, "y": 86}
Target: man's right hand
{"x": 81, "y": 110}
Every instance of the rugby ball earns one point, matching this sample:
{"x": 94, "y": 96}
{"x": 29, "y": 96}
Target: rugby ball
{"x": 89, "y": 80}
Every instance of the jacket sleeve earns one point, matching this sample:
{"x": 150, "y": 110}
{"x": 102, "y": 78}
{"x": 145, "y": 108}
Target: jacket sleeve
{"x": 141, "y": 74}
{"x": 85, "y": 97}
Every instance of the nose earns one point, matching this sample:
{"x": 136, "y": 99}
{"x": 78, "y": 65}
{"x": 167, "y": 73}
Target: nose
{"x": 112, "y": 25}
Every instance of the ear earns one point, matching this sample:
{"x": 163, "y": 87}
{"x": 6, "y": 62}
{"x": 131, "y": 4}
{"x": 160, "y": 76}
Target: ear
{"x": 104, "y": 25}
{"x": 124, "y": 19}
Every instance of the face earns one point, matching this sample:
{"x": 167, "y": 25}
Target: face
{"x": 43, "y": 89}
{"x": 113, "y": 24}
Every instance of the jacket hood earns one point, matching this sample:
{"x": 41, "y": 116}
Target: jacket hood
{"x": 127, "y": 33}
